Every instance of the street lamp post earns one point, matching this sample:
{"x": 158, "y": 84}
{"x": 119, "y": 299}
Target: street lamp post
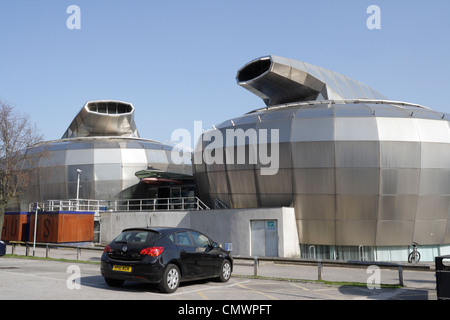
{"x": 36, "y": 209}
{"x": 79, "y": 171}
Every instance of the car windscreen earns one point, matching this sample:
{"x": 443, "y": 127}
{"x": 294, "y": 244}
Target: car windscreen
{"x": 136, "y": 236}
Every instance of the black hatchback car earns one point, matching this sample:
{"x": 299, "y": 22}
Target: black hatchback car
{"x": 2, "y": 248}
{"x": 166, "y": 256}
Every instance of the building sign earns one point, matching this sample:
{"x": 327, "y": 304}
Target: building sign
{"x": 270, "y": 226}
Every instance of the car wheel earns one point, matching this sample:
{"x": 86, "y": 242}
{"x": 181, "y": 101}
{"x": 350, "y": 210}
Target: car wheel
{"x": 225, "y": 271}
{"x": 170, "y": 280}
{"x": 113, "y": 282}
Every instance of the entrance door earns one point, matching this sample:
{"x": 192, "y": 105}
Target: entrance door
{"x": 152, "y": 193}
{"x": 264, "y": 238}
{"x": 163, "y": 198}
{"x": 175, "y": 198}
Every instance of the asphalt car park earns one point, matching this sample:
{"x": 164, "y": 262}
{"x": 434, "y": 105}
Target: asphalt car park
{"x": 30, "y": 279}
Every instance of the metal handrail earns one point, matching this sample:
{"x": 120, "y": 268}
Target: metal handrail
{"x": 219, "y": 204}
{"x": 149, "y": 204}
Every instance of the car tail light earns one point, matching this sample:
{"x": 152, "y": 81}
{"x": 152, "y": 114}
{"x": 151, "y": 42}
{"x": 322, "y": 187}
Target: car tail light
{"x": 152, "y": 251}
{"x": 108, "y": 249}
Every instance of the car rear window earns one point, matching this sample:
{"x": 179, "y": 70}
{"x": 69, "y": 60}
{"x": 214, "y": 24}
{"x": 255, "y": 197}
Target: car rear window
{"x": 136, "y": 236}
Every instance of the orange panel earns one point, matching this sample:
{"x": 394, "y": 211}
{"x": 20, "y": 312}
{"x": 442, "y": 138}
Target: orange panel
{"x": 62, "y": 227}
{"x": 77, "y": 227}
{"x": 14, "y": 226}
{"x": 47, "y": 227}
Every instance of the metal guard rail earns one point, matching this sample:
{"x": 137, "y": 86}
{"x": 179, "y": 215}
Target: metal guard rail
{"x": 29, "y": 246}
{"x": 320, "y": 263}
{"x": 151, "y": 204}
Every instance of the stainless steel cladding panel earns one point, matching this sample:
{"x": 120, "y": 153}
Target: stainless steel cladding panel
{"x": 359, "y": 169}
{"x": 103, "y": 118}
{"x": 102, "y": 141}
{"x": 278, "y": 80}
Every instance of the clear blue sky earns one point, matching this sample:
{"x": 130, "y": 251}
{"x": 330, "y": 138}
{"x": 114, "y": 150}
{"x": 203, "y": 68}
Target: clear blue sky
{"x": 176, "y": 61}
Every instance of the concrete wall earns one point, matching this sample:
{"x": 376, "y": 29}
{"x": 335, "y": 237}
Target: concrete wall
{"x": 223, "y": 226}
{"x": 113, "y": 222}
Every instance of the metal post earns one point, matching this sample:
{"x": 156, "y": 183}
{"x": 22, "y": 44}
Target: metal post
{"x": 35, "y": 228}
{"x": 79, "y": 171}
{"x": 319, "y": 270}
{"x": 78, "y": 253}
{"x": 255, "y": 266}
{"x": 47, "y": 251}
{"x": 400, "y": 275}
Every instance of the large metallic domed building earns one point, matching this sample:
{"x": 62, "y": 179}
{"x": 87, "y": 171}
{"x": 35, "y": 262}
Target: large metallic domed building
{"x": 99, "y": 156}
{"x": 365, "y": 174}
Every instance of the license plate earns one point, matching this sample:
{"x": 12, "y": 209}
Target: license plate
{"x": 122, "y": 268}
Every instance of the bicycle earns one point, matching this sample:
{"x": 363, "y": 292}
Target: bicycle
{"x": 414, "y": 256}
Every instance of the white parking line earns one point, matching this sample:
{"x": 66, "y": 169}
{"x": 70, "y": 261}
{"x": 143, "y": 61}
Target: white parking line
{"x": 209, "y": 288}
{"x": 32, "y": 275}
{"x": 238, "y": 283}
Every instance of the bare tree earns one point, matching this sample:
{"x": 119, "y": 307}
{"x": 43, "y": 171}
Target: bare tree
{"x": 19, "y": 143}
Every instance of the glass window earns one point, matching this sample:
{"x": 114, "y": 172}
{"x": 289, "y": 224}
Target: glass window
{"x": 279, "y": 114}
{"x": 354, "y": 85}
{"x": 418, "y": 112}
{"x": 352, "y": 110}
{"x": 135, "y": 236}
{"x": 367, "y": 92}
{"x": 253, "y": 118}
{"x": 133, "y": 145}
{"x": 343, "y": 85}
{"x": 331, "y": 81}
{"x": 182, "y": 239}
{"x": 300, "y": 65}
{"x": 200, "y": 239}
{"x": 376, "y": 94}
{"x": 224, "y": 124}
{"x": 105, "y": 144}
{"x": 316, "y": 111}
{"x": 150, "y": 145}
{"x": 387, "y": 110}
{"x": 314, "y": 70}
{"x": 57, "y": 146}
{"x": 81, "y": 145}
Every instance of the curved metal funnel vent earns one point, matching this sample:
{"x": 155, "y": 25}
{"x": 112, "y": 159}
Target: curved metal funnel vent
{"x": 103, "y": 118}
{"x": 278, "y": 80}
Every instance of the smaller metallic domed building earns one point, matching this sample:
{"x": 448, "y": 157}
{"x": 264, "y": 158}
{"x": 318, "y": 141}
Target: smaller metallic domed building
{"x": 367, "y": 176}
{"x": 103, "y": 148}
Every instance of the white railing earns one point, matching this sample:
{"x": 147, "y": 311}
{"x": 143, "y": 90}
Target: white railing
{"x": 156, "y": 204}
